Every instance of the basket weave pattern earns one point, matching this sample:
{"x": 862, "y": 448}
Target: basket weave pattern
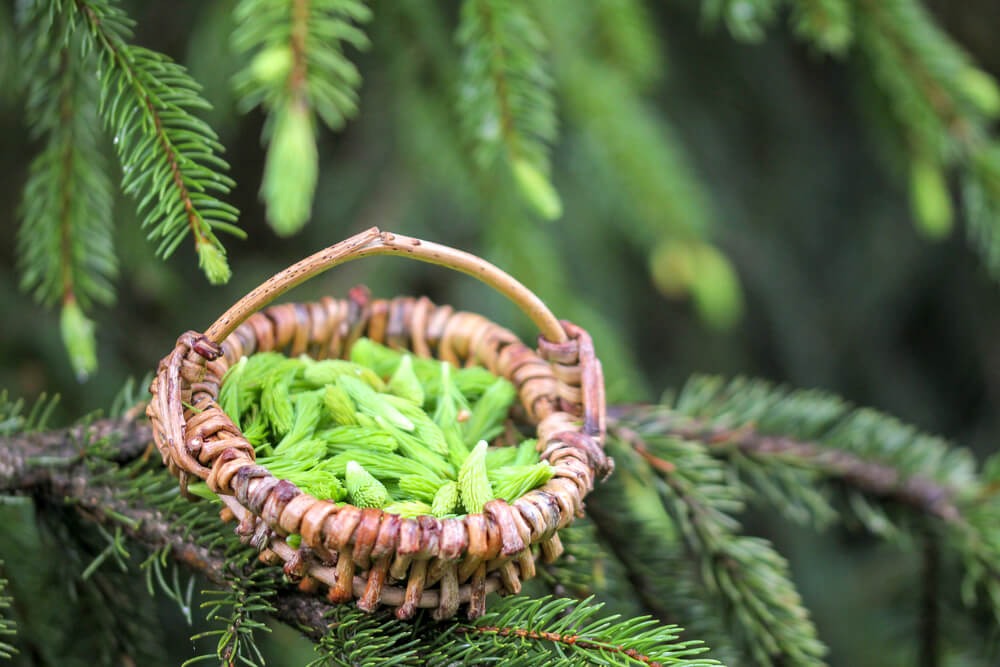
{"x": 376, "y": 557}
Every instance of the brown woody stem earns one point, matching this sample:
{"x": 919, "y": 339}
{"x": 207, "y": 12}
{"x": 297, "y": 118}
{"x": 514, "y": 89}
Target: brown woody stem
{"x": 871, "y": 477}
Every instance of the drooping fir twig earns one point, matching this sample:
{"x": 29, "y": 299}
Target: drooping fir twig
{"x": 298, "y": 70}
{"x": 667, "y": 211}
{"x": 170, "y": 158}
{"x": 65, "y": 251}
{"x": 504, "y": 96}
{"x": 943, "y": 107}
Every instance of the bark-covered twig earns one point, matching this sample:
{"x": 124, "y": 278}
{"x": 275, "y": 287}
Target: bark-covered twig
{"x": 877, "y": 479}
{"x": 51, "y": 463}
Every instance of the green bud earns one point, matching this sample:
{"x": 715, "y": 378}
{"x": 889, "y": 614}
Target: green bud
{"x": 320, "y": 482}
{"x": 342, "y": 438}
{"x": 78, "y": 337}
{"x": 425, "y": 431}
{"x": 981, "y": 89}
{"x": 527, "y": 452}
{"x": 272, "y": 65}
{"x": 419, "y": 487}
{"x": 229, "y": 392}
{"x": 408, "y": 509}
{"x": 512, "y": 482}
{"x": 212, "y": 260}
{"x": 290, "y": 170}
{"x": 321, "y": 373}
{"x": 537, "y": 190}
{"x": 373, "y": 404}
{"x": 308, "y": 409}
{"x": 363, "y": 489}
{"x": 294, "y": 540}
{"x": 383, "y": 465}
{"x": 404, "y": 382}
{"x": 473, "y": 484}
{"x": 339, "y": 405}
{"x": 276, "y": 401}
{"x": 445, "y": 501}
{"x": 716, "y": 289}
{"x": 490, "y": 412}
{"x": 256, "y": 430}
{"x": 375, "y": 356}
{"x": 498, "y": 457}
{"x": 672, "y": 266}
{"x": 449, "y": 402}
{"x": 930, "y": 199}
{"x": 473, "y": 382}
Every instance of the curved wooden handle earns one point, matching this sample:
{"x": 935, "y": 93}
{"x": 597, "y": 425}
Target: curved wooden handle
{"x": 376, "y": 242}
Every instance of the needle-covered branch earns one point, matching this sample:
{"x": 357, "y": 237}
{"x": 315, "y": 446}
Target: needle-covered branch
{"x": 170, "y": 157}
{"x": 102, "y": 470}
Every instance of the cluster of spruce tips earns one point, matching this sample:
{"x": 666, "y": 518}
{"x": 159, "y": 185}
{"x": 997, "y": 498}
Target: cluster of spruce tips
{"x": 386, "y": 429}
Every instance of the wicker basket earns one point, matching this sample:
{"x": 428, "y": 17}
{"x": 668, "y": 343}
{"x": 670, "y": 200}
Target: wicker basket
{"x": 376, "y": 557}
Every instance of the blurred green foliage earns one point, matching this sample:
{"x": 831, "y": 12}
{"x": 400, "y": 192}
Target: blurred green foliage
{"x": 728, "y": 205}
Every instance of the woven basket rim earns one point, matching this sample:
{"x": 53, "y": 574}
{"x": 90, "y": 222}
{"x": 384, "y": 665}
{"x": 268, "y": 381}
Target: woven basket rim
{"x": 560, "y": 386}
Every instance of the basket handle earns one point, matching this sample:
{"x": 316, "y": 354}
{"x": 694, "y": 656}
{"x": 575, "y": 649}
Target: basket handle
{"x": 376, "y": 242}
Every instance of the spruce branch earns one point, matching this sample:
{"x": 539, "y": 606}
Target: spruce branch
{"x": 65, "y": 249}
{"x": 170, "y": 158}
{"x": 505, "y": 96}
{"x": 764, "y": 432}
{"x": 747, "y": 580}
{"x": 874, "y": 478}
{"x": 298, "y": 70}
{"x": 535, "y": 631}
{"x": 678, "y": 454}
{"x": 869, "y": 451}
{"x": 944, "y": 107}
{"x": 101, "y": 470}
{"x": 667, "y": 213}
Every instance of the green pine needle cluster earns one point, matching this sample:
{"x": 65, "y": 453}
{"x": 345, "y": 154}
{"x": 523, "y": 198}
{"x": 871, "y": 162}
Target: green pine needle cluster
{"x": 297, "y": 70}
{"x": 386, "y": 429}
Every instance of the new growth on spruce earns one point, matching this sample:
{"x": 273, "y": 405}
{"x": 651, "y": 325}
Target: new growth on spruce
{"x": 385, "y": 430}
{"x": 297, "y": 70}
